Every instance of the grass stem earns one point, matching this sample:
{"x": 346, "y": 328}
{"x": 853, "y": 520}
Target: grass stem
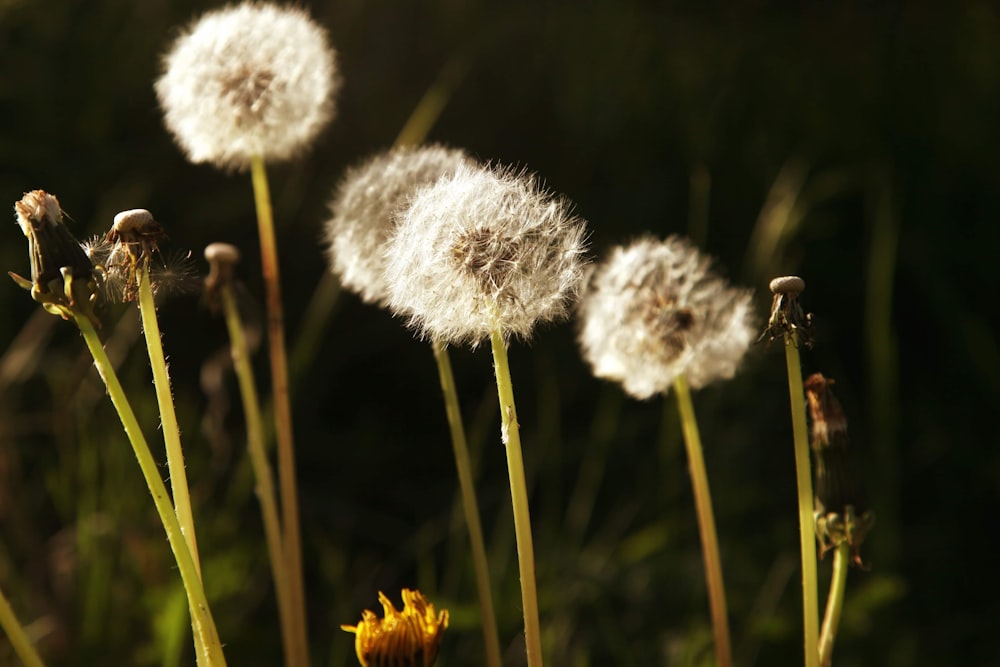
{"x": 706, "y": 524}
{"x": 17, "y": 635}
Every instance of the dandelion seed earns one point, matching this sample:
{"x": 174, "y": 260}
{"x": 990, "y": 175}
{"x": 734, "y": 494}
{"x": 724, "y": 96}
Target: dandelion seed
{"x": 254, "y": 79}
{"x": 655, "y": 310}
{"x": 364, "y": 209}
{"x": 483, "y": 249}
{"x": 408, "y": 638}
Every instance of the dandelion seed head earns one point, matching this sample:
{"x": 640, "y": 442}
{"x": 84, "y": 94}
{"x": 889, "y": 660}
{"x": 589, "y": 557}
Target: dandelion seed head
{"x": 365, "y": 207}
{"x": 484, "y": 248}
{"x": 655, "y": 310}
{"x": 787, "y": 285}
{"x": 250, "y": 79}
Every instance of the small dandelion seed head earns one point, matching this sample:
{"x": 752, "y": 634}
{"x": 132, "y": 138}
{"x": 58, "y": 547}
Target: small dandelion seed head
{"x": 655, "y": 310}
{"x": 483, "y": 249}
{"x": 254, "y": 79}
{"x": 365, "y": 207}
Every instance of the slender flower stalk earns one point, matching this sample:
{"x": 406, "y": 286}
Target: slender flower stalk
{"x": 655, "y": 317}
{"x": 287, "y": 485}
{"x": 788, "y": 320}
{"x": 365, "y": 209}
{"x": 242, "y": 85}
{"x": 486, "y": 253}
{"x": 17, "y": 635}
{"x": 470, "y": 505}
{"x": 510, "y": 431}
{"x": 66, "y": 283}
{"x": 834, "y": 603}
{"x": 706, "y": 523}
{"x": 135, "y": 236}
{"x": 223, "y": 257}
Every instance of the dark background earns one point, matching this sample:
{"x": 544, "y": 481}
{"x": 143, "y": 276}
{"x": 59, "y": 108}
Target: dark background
{"x": 852, "y": 143}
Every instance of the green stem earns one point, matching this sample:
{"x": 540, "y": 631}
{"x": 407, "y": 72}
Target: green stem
{"x": 201, "y": 617}
{"x": 469, "y": 504}
{"x": 261, "y": 467}
{"x": 168, "y": 422}
{"x": 706, "y": 524}
{"x": 292, "y": 541}
{"x": 511, "y": 435}
{"x": 23, "y": 647}
{"x": 834, "y": 603}
{"x": 807, "y": 525}
{"x": 168, "y": 417}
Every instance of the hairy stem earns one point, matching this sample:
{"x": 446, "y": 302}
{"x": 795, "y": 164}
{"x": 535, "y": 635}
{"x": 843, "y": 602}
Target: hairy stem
{"x": 201, "y": 615}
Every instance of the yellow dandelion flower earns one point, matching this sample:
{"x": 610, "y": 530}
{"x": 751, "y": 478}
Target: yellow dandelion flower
{"x": 408, "y": 638}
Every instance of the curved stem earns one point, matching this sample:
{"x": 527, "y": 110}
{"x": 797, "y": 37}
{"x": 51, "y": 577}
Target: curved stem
{"x": 807, "y": 523}
{"x": 469, "y": 504}
{"x": 706, "y": 524}
{"x": 201, "y": 616}
{"x": 19, "y": 640}
{"x": 834, "y": 603}
{"x": 292, "y": 540}
{"x": 511, "y": 435}
{"x": 261, "y": 467}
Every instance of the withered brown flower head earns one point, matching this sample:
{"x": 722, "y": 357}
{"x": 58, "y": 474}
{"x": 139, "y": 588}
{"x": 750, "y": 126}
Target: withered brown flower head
{"x": 63, "y": 279}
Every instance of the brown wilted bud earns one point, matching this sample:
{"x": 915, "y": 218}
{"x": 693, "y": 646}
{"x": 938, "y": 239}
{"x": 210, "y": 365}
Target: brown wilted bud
{"x": 63, "y": 279}
{"x": 842, "y": 512}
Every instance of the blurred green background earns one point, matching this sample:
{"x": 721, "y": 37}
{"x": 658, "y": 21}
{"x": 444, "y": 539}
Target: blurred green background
{"x": 852, "y": 143}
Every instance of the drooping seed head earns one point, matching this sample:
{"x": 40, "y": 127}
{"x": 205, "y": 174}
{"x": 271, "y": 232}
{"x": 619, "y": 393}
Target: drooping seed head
{"x": 254, "y": 79}
{"x": 482, "y": 250}
{"x": 365, "y": 207}
{"x": 655, "y": 310}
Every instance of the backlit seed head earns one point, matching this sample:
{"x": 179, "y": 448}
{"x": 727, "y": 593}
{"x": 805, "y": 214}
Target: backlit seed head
{"x": 365, "y": 206}
{"x": 484, "y": 249}
{"x": 655, "y": 310}
{"x": 254, "y": 79}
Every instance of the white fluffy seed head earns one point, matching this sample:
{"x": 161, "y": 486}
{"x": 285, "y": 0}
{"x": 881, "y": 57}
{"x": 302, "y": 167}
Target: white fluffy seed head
{"x": 655, "y": 310}
{"x": 485, "y": 248}
{"x": 250, "y": 79}
{"x": 365, "y": 207}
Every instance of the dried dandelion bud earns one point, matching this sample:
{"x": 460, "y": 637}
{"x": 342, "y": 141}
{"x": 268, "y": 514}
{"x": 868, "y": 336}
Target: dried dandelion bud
{"x": 408, "y": 638}
{"x": 655, "y": 310}
{"x": 63, "y": 279}
{"x": 222, "y": 259}
{"x": 364, "y": 209}
{"x": 484, "y": 249}
{"x": 842, "y": 513}
{"x": 787, "y": 316}
{"x": 255, "y": 79}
